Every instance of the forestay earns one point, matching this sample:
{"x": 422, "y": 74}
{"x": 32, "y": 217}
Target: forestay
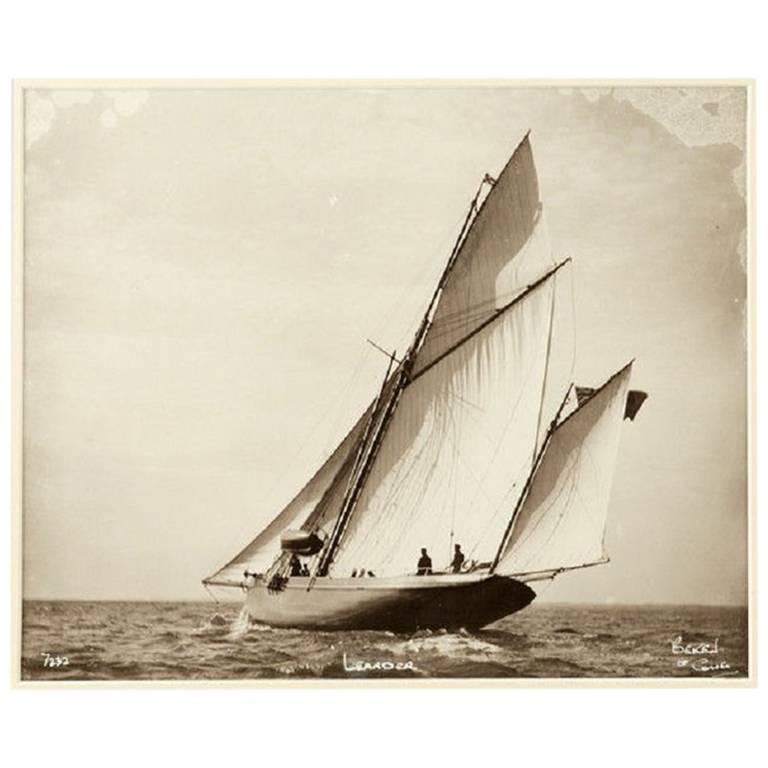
{"x": 324, "y": 486}
{"x": 561, "y": 523}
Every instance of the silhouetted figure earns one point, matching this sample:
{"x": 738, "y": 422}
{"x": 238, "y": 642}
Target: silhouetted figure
{"x": 354, "y": 573}
{"x": 304, "y": 569}
{"x": 295, "y": 565}
{"x": 424, "y": 566}
{"x": 361, "y": 573}
{"x": 458, "y": 559}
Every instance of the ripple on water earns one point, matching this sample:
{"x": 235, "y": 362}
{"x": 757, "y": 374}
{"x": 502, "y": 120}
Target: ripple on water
{"x": 124, "y": 641}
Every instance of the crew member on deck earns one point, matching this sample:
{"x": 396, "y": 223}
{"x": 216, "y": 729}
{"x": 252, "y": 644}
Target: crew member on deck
{"x": 304, "y": 569}
{"x": 458, "y": 559}
{"x": 424, "y": 566}
{"x": 295, "y": 565}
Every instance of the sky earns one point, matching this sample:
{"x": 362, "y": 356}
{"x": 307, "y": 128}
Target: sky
{"x": 203, "y": 267}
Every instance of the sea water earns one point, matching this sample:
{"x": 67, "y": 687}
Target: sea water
{"x": 208, "y": 641}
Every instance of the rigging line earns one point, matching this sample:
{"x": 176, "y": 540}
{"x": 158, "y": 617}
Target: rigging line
{"x": 402, "y": 484}
{"x": 466, "y": 228}
{"x": 497, "y": 447}
{"x": 367, "y": 458}
{"x": 412, "y": 289}
{"x": 324, "y": 560}
{"x": 457, "y": 459}
{"x": 558, "y": 571}
{"x": 413, "y": 283}
{"x": 409, "y": 358}
{"x": 478, "y": 482}
{"x": 573, "y": 324}
{"x": 455, "y": 432}
{"x": 343, "y": 399}
{"x": 476, "y": 421}
{"x": 492, "y": 521}
{"x": 528, "y": 482}
{"x": 496, "y": 315}
{"x": 381, "y": 349}
{"x": 268, "y": 497}
{"x": 470, "y": 311}
{"x": 208, "y": 590}
{"x": 546, "y": 367}
{"x": 479, "y": 307}
{"x": 570, "y": 492}
{"x": 404, "y": 475}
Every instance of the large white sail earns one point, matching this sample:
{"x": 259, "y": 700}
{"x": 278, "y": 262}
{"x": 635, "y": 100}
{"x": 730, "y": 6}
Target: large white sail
{"x": 562, "y": 521}
{"x": 459, "y": 448}
{"x": 505, "y": 250}
{"x": 487, "y": 379}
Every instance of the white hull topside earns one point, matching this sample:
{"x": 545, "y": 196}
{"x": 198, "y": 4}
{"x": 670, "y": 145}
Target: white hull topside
{"x": 405, "y": 603}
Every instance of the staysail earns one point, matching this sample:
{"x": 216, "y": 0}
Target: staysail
{"x": 561, "y": 523}
{"x": 257, "y": 556}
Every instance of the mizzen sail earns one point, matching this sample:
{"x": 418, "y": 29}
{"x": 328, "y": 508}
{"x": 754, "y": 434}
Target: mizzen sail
{"x": 561, "y": 523}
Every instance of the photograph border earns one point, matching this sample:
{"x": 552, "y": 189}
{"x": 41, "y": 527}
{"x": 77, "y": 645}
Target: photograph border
{"x": 17, "y": 383}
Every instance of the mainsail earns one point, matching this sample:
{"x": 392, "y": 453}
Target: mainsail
{"x": 460, "y": 445}
{"x": 561, "y": 523}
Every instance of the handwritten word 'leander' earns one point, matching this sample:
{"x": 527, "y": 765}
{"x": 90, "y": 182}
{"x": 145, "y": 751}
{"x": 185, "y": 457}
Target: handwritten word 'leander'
{"x": 694, "y": 649}
{"x": 358, "y": 665}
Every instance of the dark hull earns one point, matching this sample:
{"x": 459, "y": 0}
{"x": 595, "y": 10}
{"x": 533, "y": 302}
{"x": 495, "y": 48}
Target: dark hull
{"x": 399, "y": 605}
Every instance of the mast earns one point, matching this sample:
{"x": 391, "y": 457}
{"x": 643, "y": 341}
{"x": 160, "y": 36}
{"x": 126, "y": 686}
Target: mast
{"x": 359, "y": 471}
{"x": 421, "y": 332}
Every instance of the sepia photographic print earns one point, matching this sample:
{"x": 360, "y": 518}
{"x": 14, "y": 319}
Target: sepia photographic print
{"x": 384, "y": 383}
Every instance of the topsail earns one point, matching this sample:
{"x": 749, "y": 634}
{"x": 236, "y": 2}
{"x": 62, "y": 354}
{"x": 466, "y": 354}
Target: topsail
{"x": 505, "y": 250}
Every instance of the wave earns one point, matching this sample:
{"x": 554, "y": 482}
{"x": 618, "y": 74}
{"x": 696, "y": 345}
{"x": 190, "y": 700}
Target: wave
{"x": 452, "y": 645}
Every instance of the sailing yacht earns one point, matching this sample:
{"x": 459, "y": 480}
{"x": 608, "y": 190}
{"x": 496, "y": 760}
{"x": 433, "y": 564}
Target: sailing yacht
{"x": 477, "y": 436}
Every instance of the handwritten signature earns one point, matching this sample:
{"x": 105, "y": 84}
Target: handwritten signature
{"x": 50, "y": 660}
{"x": 359, "y": 665}
{"x": 699, "y": 656}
